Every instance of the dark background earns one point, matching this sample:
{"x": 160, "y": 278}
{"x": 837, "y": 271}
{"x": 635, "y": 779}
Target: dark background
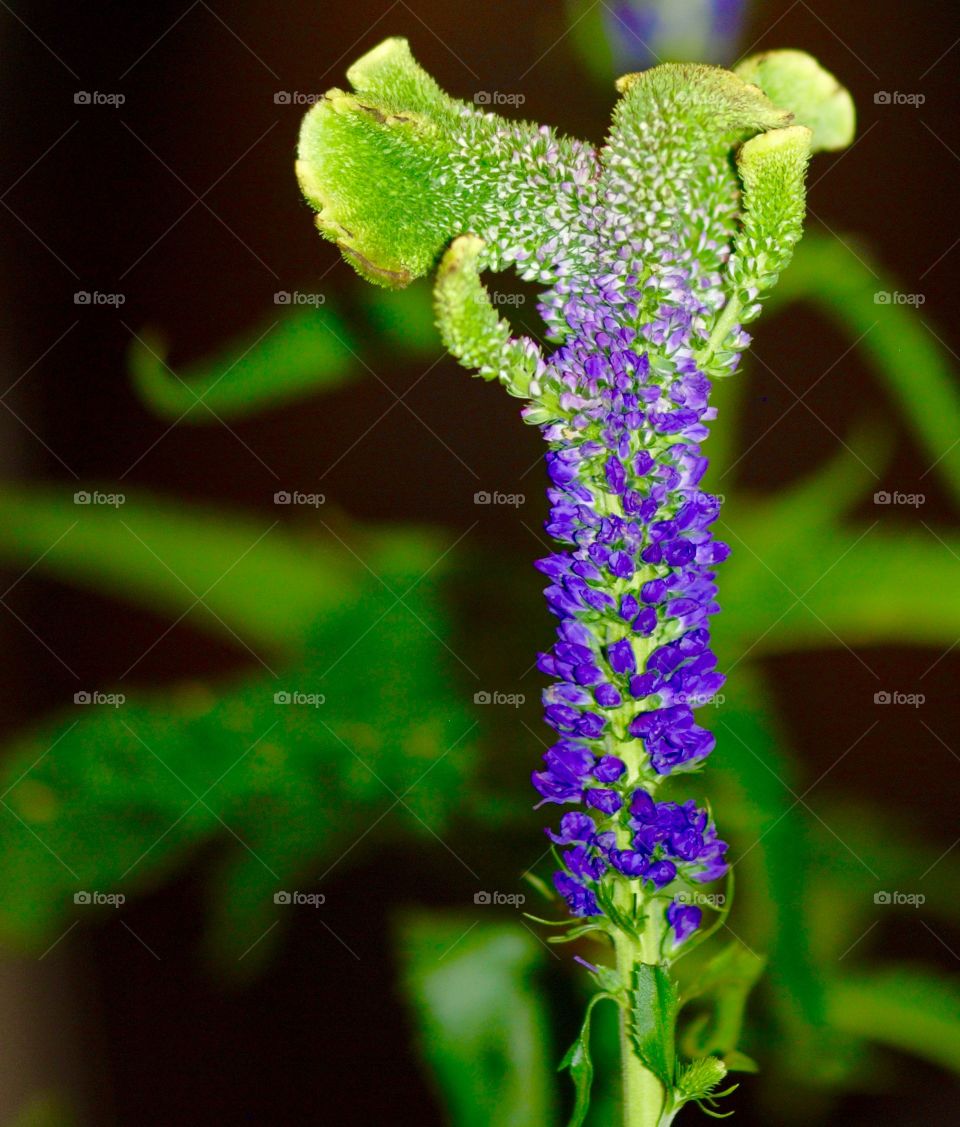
{"x": 321, "y": 1037}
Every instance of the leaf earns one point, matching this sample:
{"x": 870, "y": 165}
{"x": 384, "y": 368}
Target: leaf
{"x": 481, "y": 1024}
{"x": 294, "y": 354}
{"x": 802, "y": 574}
{"x": 253, "y": 576}
{"x": 653, "y": 1008}
{"x": 907, "y": 1008}
{"x": 111, "y": 799}
{"x": 726, "y": 981}
{"x": 578, "y": 1062}
{"x": 740, "y": 1062}
{"x": 853, "y": 292}
{"x": 761, "y": 816}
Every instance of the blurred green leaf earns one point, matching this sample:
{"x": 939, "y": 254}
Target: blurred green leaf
{"x": 802, "y": 576}
{"x": 726, "y": 981}
{"x": 295, "y": 354}
{"x": 845, "y": 286}
{"x": 906, "y": 1008}
{"x": 403, "y": 321}
{"x": 111, "y": 799}
{"x": 753, "y": 781}
{"x": 230, "y": 572}
{"x": 481, "y": 1026}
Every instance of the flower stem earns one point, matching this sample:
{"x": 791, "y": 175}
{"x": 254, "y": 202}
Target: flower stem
{"x": 643, "y": 1095}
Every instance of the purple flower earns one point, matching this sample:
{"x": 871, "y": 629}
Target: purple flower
{"x": 684, "y": 919}
{"x": 631, "y": 581}
{"x": 581, "y": 901}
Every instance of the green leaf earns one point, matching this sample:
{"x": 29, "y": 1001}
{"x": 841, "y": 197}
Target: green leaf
{"x": 740, "y": 1062}
{"x": 842, "y": 283}
{"x": 910, "y": 1009}
{"x": 653, "y": 1001}
{"x": 795, "y": 81}
{"x": 726, "y": 981}
{"x": 753, "y": 774}
{"x": 578, "y": 1062}
{"x": 294, "y": 354}
{"x": 367, "y": 724}
{"x": 257, "y": 581}
{"x": 481, "y": 1025}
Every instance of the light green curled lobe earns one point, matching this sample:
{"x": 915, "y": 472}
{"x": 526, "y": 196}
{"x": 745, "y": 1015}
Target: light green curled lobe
{"x": 772, "y": 168}
{"x": 470, "y": 327}
{"x": 370, "y": 163}
{"x": 795, "y": 81}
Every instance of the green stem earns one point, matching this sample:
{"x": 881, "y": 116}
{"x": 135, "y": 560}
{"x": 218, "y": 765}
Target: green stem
{"x": 721, "y": 330}
{"x": 643, "y": 1095}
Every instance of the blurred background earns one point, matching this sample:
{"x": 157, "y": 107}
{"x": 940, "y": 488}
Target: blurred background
{"x": 269, "y": 706}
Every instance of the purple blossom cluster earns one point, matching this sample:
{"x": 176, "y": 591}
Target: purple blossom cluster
{"x": 633, "y": 586}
